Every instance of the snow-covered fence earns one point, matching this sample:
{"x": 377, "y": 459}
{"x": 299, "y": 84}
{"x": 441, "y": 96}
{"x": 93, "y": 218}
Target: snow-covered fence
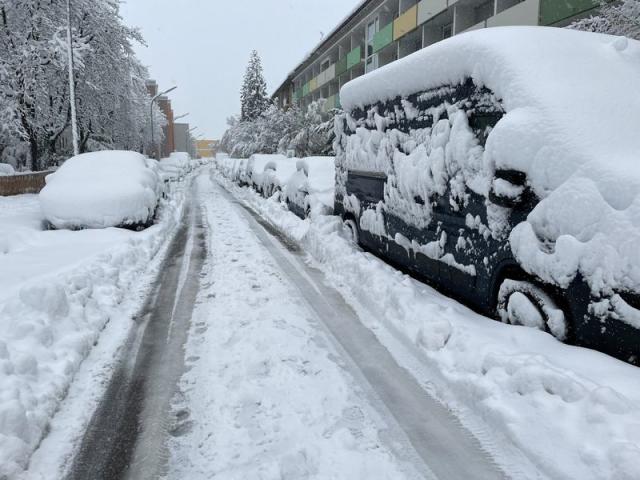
{"x": 22, "y": 183}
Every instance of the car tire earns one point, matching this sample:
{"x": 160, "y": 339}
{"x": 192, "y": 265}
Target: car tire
{"x": 352, "y": 230}
{"x": 524, "y": 303}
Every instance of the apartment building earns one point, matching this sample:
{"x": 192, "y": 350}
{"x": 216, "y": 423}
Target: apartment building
{"x": 378, "y": 32}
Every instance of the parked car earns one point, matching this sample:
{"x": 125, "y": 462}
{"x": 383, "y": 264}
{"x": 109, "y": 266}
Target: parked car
{"x": 498, "y": 165}
{"x": 276, "y": 174}
{"x": 312, "y": 187}
{"x": 102, "y": 189}
{"x": 255, "y": 169}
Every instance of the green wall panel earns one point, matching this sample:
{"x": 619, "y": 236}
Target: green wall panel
{"x": 552, "y": 11}
{"x": 354, "y": 57}
{"x": 305, "y": 89}
{"x": 341, "y": 66}
{"x": 383, "y": 38}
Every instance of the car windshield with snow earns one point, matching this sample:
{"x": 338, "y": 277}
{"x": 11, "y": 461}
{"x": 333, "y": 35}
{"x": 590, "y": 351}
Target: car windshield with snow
{"x": 502, "y": 167}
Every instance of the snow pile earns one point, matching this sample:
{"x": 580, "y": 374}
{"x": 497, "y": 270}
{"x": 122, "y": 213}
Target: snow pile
{"x": 102, "y": 189}
{"x": 58, "y": 291}
{"x": 6, "y": 169}
{"x": 572, "y": 412}
{"x": 572, "y": 109}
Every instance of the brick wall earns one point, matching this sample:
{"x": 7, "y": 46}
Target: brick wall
{"x": 24, "y": 183}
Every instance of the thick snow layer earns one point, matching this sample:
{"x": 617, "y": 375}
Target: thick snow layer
{"x": 59, "y": 290}
{"x": 572, "y": 103}
{"x": 574, "y": 413}
{"x": 6, "y": 169}
{"x": 102, "y": 189}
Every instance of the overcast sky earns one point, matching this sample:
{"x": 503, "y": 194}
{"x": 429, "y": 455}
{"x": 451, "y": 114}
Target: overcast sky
{"x": 203, "y": 46}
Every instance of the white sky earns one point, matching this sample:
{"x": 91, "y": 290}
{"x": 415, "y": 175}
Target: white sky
{"x": 203, "y": 46}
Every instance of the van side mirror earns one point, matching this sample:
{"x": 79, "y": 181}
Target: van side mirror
{"x": 508, "y": 188}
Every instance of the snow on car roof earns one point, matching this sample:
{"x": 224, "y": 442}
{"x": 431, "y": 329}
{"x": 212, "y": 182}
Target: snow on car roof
{"x": 586, "y": 86}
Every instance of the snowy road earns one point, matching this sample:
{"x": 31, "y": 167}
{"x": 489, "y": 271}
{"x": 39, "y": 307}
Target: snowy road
{"x": 265, "y": 321}
{"x": 278, "y": 378}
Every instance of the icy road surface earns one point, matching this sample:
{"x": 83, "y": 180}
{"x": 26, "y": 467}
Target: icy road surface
{"x": 285, "y": 382}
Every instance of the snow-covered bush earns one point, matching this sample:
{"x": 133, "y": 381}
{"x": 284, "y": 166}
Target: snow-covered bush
{"x": 6, "y": 169}
{"x": 614, "y": 18}
{"x": 102, "y": 189}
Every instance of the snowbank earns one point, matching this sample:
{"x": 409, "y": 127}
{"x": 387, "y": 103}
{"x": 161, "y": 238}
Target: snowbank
{"x": 572, "y": 103}
{"x": 572, "y": 412}
{"x": 102, "y": 189}
{"x": 6, "y": 169}
{"x": 177, "y": 165}
{"x": 58, "y": 291}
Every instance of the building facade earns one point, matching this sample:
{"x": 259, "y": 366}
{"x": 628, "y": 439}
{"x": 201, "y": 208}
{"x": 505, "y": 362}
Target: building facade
{"x": 207, "y": 148}
{"x": 378, "y": 32}
{"x": 184, "y": 142}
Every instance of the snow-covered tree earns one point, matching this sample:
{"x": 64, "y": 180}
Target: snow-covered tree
{"x": 253, "y": 95}
{"x": 34, "y": 86}
{"x": 615, "y": 18}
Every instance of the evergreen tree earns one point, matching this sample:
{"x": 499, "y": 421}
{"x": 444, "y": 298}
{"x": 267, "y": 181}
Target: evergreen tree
{"x": 253, "y": 96}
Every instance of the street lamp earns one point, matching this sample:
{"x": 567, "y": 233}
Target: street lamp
{"x": 180, "y": 116}
{"x": 72, "y": 84}
{"x": 153, "y": 100}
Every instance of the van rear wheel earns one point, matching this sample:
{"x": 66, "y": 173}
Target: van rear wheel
{"x": 351, "y": 228}
{"x": 524, "y": 303}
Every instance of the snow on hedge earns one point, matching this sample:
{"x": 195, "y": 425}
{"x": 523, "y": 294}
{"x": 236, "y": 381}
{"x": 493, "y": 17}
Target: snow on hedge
{"x": 6, "y": 169}
{"x": 570, "y": 412}
{"x": 102, "y": 189}
{"x": 572, "y": 103}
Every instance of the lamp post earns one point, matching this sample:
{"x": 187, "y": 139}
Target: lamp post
{"x": 180, "y": 116}
{"x": 72, "y": 84}
{"x": 153, "y": 100}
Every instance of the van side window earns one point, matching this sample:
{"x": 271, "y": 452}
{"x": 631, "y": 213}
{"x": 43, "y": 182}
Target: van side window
{"x": 366, "y": 186}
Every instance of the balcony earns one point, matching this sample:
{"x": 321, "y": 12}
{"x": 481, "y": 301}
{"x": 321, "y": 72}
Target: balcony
{"x": 354, "y": 57}
{"x": 405, "y": 23}
{"x": 383, "y": 38}
{"x": 553, "y": 11}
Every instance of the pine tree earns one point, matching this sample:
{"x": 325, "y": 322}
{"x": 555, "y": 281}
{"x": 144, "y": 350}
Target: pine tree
{"x": 253, "y": 96}
{"x": 617, "y": 18}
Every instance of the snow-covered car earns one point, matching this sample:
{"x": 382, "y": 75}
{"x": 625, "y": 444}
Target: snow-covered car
{"x": 311, "y": 188}
{"x": 6, "y": 170}
{"x": 502, "y": 165}
{"x": 255, "y": 169}
{"x": 176, "y": 166}
{"x": 276, "y": 174}
{"x": 102, "y": 189}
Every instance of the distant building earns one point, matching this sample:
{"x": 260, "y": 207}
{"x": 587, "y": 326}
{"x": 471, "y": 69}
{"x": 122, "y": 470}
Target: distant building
{"x": 184, "y": 142}
{"x": 379, "y": 32}
{"x": 207, "y": 148}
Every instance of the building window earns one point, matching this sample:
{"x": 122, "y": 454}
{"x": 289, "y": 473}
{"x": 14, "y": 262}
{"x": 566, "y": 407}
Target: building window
{"x": 325, "y": 65}
{"x": 371, "y": 61}
{"x": 447, "y": 31}
{"x": 484, "y": 11}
